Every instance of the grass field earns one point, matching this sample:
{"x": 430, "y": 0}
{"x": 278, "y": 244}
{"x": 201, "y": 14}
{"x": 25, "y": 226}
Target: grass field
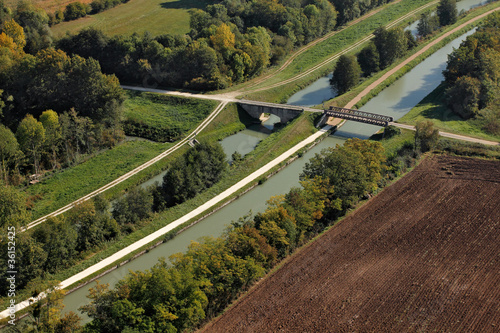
{"x": 155, "y": 16}
{"x": 158, "y": 117}
{"x": 433, "y": 108}
{"x": 65, "y": 186}
{"x": 49, "y": 6}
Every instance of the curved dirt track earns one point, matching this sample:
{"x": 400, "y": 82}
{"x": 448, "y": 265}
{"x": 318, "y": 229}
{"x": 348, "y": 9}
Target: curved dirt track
{"x": 421, "y": 256}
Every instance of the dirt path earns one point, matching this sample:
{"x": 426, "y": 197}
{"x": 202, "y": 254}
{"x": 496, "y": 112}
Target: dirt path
{"x": 129, "y": 174}
{"x": 362, "y": 94}
{"x": 333, "y": 57}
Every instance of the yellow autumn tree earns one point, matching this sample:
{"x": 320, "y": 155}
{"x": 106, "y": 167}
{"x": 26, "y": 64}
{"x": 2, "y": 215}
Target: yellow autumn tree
{"x": 16, "y": 32}
{"x": 223, "y": 38}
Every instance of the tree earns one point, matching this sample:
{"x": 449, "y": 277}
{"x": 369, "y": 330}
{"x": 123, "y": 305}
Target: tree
{"x": 45, "y": 313}
{"x": 58, "y": 239}
{"x": 391, "y": 44}
{"x": 12, "y": 207}
{"x": 16, "y": 32}
{"x": 447, "y": 12}
{"x": 5, "y": 13}
{"x": 369, "y": 59}
{"x": 136, "y": 205}
{"x": 200, "y": 168}
{"x": 50, "y": 122}
{"x": 278, "y": 226}
{"x": 427, "y": 24}
{"x": 88, "y": 225}
{"x": 352, "y": 170}
{"x": 223, "y": 39}
{"x": 30, "y": 258}
{"x": 245, "y": 241}
{"x": 463, "y": 96}
{"x": 426, "y": 136}
{"x": 346, "y": 74}
{"x": 31, "y": 135}
{"x": 307, "y": 204}
{"x": 222, "y": 274}
{"x": 75, "y": 10}
{"x": 9, "y": 150}
{"x": 35, "y": 23}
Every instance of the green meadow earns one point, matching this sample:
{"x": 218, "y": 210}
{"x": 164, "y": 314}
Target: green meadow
{"x": 155, "y": 16}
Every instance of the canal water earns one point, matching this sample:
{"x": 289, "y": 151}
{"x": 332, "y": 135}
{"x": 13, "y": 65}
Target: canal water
{"x": 242, "y": 142}
{"x": 394, "y": 101}
{"x": 463, "y": 5}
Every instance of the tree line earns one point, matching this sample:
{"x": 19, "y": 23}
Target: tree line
{"x": 53, "y": 107}
{"x": 386, "y": 47}
{"x": 381, "y": 52}
{"x": 472, "y": 76}
{"x": 229, "y": 42}
{"x": 446, "y": 14}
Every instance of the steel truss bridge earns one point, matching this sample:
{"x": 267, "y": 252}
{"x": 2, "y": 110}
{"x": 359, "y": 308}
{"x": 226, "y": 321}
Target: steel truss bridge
{"x": 357, "y": 115}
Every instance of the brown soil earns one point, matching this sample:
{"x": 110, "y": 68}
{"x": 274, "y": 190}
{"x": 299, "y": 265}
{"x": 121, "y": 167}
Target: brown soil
{"x": 422, "y": 256}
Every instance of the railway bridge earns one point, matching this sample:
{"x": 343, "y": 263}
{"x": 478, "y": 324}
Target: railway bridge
{"x": 288, "y": 112}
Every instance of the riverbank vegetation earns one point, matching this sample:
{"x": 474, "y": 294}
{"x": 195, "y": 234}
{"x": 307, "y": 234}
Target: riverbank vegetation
{"x": 387, "y": 46}
{"x": 365, "y": 82}
{"x": 321, "y": 53}
{"x": 467, "y": 102}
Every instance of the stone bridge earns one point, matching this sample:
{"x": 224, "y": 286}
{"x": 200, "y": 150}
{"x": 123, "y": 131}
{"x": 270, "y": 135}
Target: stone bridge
{"x": 284, "y": 111}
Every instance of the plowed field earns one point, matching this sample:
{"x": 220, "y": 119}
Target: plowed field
{"x": 422, "y": 256}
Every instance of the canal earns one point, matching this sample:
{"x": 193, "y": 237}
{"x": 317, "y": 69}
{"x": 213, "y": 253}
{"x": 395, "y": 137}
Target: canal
{"x": 395, "y": 101}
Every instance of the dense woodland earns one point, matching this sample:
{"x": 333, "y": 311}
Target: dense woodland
{"x": 54, "y": 107}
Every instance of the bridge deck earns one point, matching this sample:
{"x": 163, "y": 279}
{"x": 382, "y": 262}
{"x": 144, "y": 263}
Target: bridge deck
{"x": 337, "y": 112}
{"x": 360, "y": 116}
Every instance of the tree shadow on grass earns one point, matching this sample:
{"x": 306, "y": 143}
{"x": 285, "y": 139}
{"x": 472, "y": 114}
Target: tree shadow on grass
{"x": 185, "y": 4}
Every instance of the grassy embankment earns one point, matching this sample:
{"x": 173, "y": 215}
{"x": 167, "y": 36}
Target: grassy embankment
{"x": 155, "y": 16}
{"x": 324, "y": 50}
{"x": 345, "y": 98}
{"x": 65, "y": 186}
{"x": 433, "y": 108}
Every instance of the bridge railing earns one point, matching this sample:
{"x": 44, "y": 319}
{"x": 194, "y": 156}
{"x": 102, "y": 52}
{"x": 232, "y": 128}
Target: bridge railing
{"x": 360, "y": 113}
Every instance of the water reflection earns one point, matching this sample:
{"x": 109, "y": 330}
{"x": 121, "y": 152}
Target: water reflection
{"x": 314, "y": 94}
{"x": 463, "y": 5}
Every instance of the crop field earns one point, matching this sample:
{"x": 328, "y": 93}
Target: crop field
{"x": 155, "y": 16}
{"x": 422, "y": 256}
